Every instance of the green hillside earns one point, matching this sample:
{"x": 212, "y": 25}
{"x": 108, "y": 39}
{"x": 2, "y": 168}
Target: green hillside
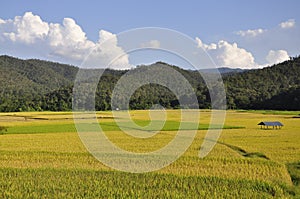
{"x": 30, "y": 85}
{"x": 256, "y": 89}
{"x": 23, "y": 81}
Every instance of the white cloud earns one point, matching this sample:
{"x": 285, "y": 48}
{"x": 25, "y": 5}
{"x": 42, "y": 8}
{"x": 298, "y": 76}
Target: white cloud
{"x": 2, "y": 21}
{"x": 260, "y": 42}
{"x": 250, "y": 33}
{"x": 229, "y": 55}
{"x": 108, "y": 53}
{"x": 288, "y": 24}
{"x": 105, "y": 35}
{"x": 66, "y": 41}
{"x": 26, "y": 29}
{"x": 151, "y": 44}
{"x": 275, "y": 57}
{"x": 70, "y": 32}
{"x": 232, "y": 56}
{"x": 211, "y": 46}
{"x": 30, "y": 36}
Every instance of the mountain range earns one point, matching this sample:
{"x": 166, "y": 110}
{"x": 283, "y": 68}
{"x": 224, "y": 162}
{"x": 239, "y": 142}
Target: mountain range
{"x": 37, "y": 85}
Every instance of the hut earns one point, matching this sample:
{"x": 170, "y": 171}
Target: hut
{"x": 273, "y": 125}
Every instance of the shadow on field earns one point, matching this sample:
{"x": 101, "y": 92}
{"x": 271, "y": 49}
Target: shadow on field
{"x": 244, "y": 152}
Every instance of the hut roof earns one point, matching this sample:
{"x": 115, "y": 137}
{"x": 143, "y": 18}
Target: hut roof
{"x": 276, "y": 123}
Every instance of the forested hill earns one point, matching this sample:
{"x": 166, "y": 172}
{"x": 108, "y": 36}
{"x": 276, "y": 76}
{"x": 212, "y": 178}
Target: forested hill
{"x": 275, "y": 87}
{"x": 29, "y": 85}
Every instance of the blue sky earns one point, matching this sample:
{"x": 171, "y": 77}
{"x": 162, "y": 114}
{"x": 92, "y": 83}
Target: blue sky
{"x": 220, "y": 23}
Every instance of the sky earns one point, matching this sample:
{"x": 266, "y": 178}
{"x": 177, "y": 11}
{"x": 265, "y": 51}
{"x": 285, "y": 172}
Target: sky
{"x": 234, "y": 33}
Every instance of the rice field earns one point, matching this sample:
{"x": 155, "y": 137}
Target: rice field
{"x": 42, "y": 156}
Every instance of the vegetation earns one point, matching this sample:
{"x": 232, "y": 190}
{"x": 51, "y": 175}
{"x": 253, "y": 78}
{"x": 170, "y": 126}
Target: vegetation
{"x": 294, "y": 170}
{"x": 42, "y": 156}
{"x": 35, "y": 85}
{"x": 53, "y": 183}
{"x": 3, "y": 129}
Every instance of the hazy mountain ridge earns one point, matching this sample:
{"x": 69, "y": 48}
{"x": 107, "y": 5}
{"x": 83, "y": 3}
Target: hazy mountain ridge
{"x": 225, "y": 70}
{"x": 43, "y": 85}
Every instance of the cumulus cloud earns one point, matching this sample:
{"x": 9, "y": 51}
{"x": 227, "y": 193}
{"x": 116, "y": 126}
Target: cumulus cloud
{"x": 250, "y": 33}
{"x": 26, "y": 29}
{"x": 30, "y": 36}
{"x": 228, "y": 54}
{"x": 260, "y": 44}
{"x": 151, "y": 44}
{"x": 275, "y": 57}
{"x": 288, "y": 24}
{"x": 200, "y": 44}
{"x": 107, "y": 53}
{"x": 232, "y": 56}
{"x": 66, "y": 41}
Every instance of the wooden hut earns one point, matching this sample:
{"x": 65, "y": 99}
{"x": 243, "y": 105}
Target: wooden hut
{"x": 272, "y": 125}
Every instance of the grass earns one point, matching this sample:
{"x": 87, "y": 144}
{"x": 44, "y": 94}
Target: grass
{"x": 49, "y": 128}
{"x": 294, "y": 170}
{"x": 109, "y": 126}
{"x": 271, "y": 112}
{"x": 46, "y": 159}
{"x": 168, "y": 126}
{"x": 2, "y": 130}
{"x": 51, "y": 183}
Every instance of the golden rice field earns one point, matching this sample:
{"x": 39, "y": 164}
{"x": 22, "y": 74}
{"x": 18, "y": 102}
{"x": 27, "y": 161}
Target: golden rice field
{"x": 42, "y": 156}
